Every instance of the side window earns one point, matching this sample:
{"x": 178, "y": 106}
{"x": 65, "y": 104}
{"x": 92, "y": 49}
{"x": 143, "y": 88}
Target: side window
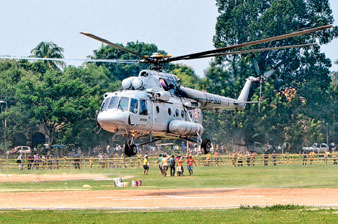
{"x": 143, "y": 107}
{"x": 105, "y": 104}
{"x": 113, "y": 102}
{"x": 182, "y": 113}
{"x": 157, "y": 109}
{"x": 177, "y": 113}
{"x": 133, "y": 105}
{"x": 169, "y": 111}
{"x": 124, "y": 102}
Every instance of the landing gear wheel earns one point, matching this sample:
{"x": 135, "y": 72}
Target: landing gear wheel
{"x": 130, "y": 149}
{"x": 133, "y": 149}
{"x": 127, "y": 150}
{"x": 206, "y": 146}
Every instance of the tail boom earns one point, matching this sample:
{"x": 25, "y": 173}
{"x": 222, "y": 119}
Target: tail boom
{"x": 217, "y": 102}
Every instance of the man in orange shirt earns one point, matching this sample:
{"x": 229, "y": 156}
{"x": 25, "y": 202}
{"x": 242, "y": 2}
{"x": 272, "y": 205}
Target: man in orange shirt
{"x": 234, "y": 157}
{"x": 312, "y": 155}
{"x": 216, "y": 157}
{"x": 190, "y": 162}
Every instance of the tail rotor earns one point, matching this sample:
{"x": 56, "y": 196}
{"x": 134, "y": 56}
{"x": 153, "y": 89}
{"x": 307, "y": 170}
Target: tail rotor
{"x": 262, "y": 78}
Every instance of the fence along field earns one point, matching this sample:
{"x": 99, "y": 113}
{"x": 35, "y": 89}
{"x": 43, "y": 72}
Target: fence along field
{"x": 121, "y": 162}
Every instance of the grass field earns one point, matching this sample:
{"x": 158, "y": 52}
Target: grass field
{"x": 290, "y": 176}
{"x": 274, "y": 214}
{"x": 286, "y": 176}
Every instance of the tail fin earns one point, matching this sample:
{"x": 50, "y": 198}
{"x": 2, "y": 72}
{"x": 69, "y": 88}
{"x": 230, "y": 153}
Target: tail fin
{"x": 243, "y": 97}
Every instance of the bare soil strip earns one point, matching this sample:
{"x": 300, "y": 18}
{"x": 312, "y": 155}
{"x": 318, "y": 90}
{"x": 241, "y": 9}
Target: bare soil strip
{"x": 169, "y": 199}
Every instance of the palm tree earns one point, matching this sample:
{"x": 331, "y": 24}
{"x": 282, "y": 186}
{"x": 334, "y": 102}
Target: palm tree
{"x": 49, "y": 50}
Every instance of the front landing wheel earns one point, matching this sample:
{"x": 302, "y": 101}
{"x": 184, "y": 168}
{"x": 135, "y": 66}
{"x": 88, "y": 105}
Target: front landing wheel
{"x": 206, "y": 146}
{"x": 130, "y": 149}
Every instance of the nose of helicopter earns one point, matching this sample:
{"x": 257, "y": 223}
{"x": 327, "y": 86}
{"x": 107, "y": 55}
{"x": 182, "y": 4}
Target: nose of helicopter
{"x": 108, "y": 119}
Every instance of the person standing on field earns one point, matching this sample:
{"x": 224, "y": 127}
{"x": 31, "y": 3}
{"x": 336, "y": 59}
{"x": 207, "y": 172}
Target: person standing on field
{"x": 164, "y": 165}
{"x": 30, "y": 161}
{"x": 180, "y": 169}
{"x": 19, "y": 161}
{"x": 191, "y": 162}
{"x": 172, "y": 163}
{"x": 274, "y": 158}
{"x": 36, "y": 161}
{"x": 234, "y": 157}
{"x": 91, "y": 161}
{"x": 239, "y": 159}
{"x": 248, "y": 156}
{"x": 326, "y": 156}
{"x": 216, "y": 156}
{"x": 266, "y": 158}
{"x": 146, "y": 165}
{"x": 334, "y": 155}
{"x": 304, "y": 158}
{"x": 207, "y": 160}
{"x": 253, "y": 158}
{"x": 312, "y": 155}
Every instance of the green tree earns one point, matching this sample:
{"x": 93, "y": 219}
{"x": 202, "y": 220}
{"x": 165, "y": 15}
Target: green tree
{"x": 306, "y": 70}
{"x": 49, "y": 50}
{"x": 62, "y": 102}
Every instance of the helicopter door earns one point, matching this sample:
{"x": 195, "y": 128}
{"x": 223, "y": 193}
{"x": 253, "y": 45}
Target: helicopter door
{"x": 140, "y": 113}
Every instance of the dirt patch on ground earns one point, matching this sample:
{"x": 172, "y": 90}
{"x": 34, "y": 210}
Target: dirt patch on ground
{"x": 50, "y": 177}
{"x": 169, "y": 199}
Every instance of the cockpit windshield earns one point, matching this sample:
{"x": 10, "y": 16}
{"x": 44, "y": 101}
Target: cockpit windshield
{"x": 124, "y": 103}
{"x": 113, "y": 102}
{"x": 105, "y": 103}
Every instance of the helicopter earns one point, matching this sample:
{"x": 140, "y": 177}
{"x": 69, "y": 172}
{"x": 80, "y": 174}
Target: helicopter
{"x": 153, "y": 105}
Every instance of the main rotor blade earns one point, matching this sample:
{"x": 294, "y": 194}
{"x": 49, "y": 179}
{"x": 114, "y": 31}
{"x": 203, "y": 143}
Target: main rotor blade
{"x": 72, "y": 59}
{"x": 114, "y": 45}
{"x": 253, "y": 51}
{"x": 247, "y": 44}
{"x": 256, "y": 67}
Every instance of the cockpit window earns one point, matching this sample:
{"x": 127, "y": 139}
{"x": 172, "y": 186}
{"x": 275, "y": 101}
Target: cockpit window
{"x": 113, "y": 102}
{"x": 124, "y": 102}
{"x": 143, "y": 107}
{"x": 164, "y": 84}
{"x": 105, "y": 104}
{"x": 133, "y": 105}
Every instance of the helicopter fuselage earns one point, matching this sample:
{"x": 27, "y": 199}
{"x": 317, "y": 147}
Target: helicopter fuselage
{"x": 155, "y": 104}
{"x": 136, "y": 113}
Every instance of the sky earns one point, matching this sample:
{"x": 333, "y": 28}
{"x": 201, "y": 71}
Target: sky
{"x": 177, "y": 26}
